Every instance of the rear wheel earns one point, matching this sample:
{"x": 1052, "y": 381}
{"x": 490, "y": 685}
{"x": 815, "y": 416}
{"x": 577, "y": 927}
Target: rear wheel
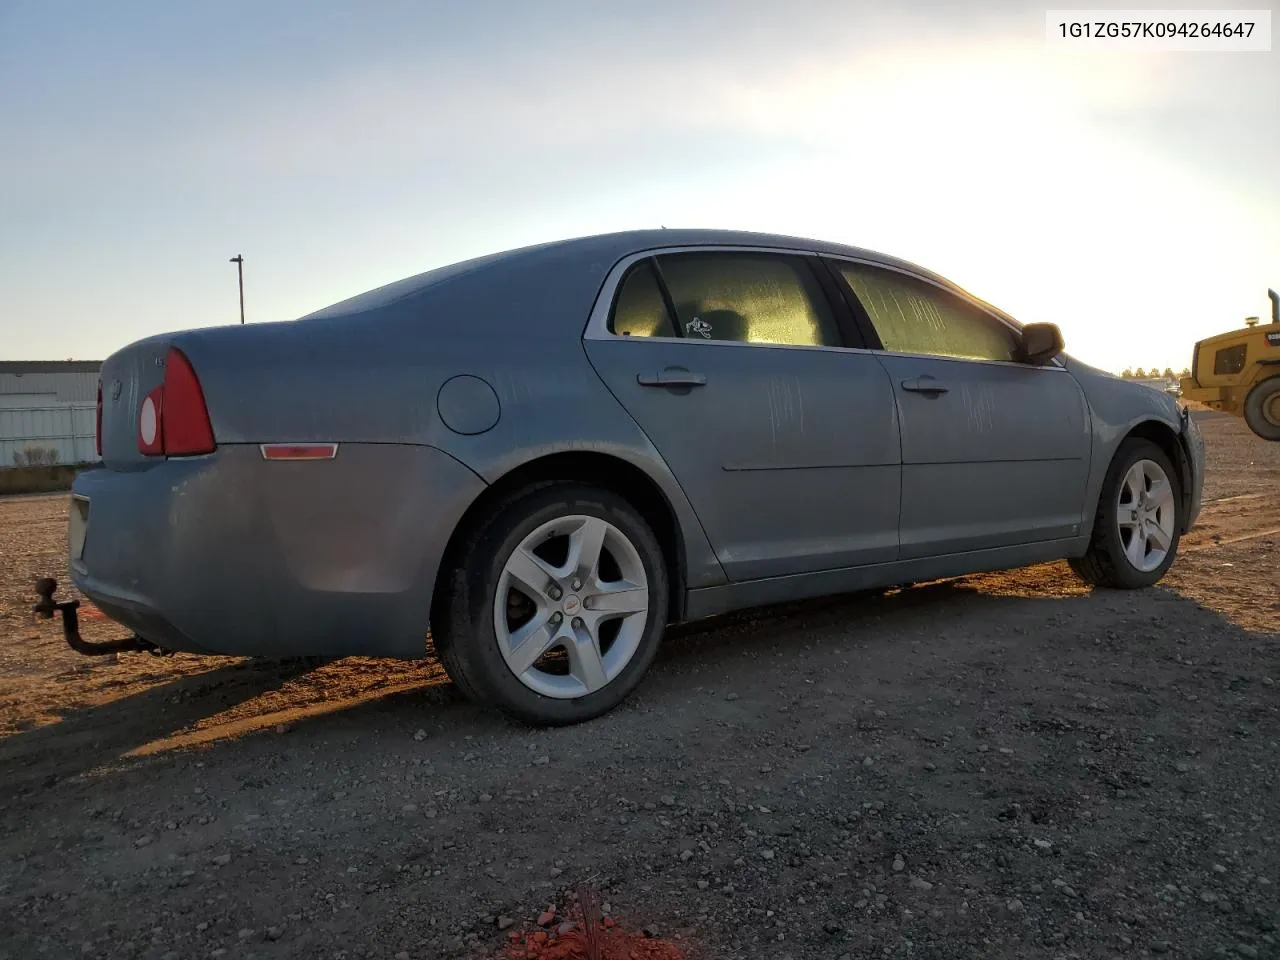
{"x": 1136, "y": 528}
{"x": 557, "y": 606}
{"x": 1262, "y": 409}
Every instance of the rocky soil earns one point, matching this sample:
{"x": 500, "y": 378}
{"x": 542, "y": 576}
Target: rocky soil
{"x": 1005, "y": 765}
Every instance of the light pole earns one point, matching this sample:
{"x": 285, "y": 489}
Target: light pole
{"x": 238, "y": 260}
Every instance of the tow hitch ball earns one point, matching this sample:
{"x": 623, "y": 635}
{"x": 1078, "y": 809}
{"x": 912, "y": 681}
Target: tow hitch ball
{"x": 46, "y": 607}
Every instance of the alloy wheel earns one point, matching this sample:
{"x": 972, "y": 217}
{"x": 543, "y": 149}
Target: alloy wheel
{"x": 571, "y": 606}
{"x": 1145, "y": 515}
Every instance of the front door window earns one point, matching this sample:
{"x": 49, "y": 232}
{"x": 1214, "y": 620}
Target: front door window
{"x": 913, "y": 316}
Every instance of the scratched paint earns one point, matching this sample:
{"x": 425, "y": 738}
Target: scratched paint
{"x": 979, "y": 407}
{"x": 786, "y": 408}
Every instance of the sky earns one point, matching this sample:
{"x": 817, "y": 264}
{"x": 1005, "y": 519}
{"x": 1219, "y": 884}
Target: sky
{"x": 1132, "y": 198}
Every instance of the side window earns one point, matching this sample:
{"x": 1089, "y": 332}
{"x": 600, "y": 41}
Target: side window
{"x": 748, "y": 297}
{"x": 1229, "y": 361}
{"x": 640, "y": 310}
{"x": 912, "y": 316}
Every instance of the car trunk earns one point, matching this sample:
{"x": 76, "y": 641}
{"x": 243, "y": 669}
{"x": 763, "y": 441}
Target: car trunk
{"x": 318, "y": 382}
{"x": 345, "y": 380}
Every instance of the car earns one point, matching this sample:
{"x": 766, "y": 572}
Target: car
{"x": 537, "y": 460}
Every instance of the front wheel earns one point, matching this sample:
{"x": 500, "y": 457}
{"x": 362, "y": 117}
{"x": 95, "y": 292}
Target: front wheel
{"x": 1138, "y": 521}
{"x": 1262, "y": 409}
{"x": 557, "y": 607}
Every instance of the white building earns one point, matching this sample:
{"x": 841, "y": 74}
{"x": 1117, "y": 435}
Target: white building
{"x": 50, "y": 404}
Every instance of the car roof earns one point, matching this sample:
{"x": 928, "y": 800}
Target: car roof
{"x": 600, "y": 252}
{"x": 634, "y": 241}
{"x": 625, "y": 243}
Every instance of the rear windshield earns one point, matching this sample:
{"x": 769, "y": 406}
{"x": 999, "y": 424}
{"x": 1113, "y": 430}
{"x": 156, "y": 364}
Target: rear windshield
{"x": 391, "y": 292}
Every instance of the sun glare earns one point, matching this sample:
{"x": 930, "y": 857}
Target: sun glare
{"x": 992, "y": 169}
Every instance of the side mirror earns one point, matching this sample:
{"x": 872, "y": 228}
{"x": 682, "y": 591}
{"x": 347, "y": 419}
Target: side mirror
{"x": 1041, "y": 342}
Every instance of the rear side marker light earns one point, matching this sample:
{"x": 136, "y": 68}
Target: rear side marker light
{"x": 299, "y": 451}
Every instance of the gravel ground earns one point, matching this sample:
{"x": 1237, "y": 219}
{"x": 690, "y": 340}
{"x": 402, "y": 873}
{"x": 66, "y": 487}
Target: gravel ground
{"x": 1003, "y": 765}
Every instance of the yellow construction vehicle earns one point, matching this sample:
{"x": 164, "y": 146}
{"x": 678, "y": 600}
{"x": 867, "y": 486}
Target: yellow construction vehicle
{"x": 1239, "y": 372}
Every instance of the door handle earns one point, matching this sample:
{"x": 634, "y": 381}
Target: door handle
{"x": 673, "y": 377}
{"x": 925, "y": 385}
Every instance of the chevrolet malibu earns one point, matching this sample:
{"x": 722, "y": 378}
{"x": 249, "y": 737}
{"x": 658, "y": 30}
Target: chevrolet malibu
{"x": 541, "y": 458}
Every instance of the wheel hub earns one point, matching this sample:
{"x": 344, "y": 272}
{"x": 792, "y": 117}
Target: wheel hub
{"x": 585, "y": 604}
{"x": 1145, "y": 515}
{"x": 1271, "y": 410}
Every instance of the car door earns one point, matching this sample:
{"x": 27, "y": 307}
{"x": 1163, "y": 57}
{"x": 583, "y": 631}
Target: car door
{"x": 786, "y": 442}
{"x": 995, "y": 452}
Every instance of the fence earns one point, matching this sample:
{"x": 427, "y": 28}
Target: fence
{"x": 68, "y": 428}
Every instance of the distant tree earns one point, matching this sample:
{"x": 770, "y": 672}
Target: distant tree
{"x": 1186, "y": 372}
{"x": 1139, "y": 373}
{"x": 1127, "y": 373}
{"x": 1169, "y": 374}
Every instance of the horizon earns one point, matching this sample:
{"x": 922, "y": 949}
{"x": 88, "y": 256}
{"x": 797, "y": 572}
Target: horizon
{"x": 1128, "y": 197}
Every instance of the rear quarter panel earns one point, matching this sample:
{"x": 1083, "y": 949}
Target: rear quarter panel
{"x": 241, "y": 556}
{"x": 376, "y": 376}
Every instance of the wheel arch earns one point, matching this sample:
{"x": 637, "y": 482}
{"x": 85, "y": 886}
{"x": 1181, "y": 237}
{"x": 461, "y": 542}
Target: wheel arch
{"x": 1170, "y": 442}
{"x": 583, "y": 467}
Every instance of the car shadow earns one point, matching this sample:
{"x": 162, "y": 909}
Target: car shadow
{"x": 91, "y": 736}
{"x": 417, "y": 700}
{"x": 846, "y": 609}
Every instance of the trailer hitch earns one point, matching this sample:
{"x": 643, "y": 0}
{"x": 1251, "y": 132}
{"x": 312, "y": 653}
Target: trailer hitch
{"x": 46, "y": 607}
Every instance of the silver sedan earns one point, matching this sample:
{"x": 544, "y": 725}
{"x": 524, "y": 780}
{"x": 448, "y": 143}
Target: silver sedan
{"x": 543, "y": 457}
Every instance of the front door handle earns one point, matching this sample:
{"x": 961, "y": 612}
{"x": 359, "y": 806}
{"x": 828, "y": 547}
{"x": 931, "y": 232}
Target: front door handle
{"x": 671, "y": 377}
{"x": 926, "y": 385}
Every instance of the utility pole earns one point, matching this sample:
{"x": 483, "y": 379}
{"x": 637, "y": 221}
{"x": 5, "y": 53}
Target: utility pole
{"x": 238, "y": 260}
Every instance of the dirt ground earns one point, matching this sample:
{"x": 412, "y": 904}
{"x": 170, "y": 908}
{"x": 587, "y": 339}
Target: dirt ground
{"x": 1001, "y": 766}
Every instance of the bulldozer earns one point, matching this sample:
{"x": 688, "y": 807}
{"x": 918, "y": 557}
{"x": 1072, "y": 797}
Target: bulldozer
{"x": 1239, "y": 373}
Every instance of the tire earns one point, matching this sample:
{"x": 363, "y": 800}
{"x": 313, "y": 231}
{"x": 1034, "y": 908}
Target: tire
{"x": 1262, "y": 409}
{"x": 478, "y": 644}
{"x": 1109, "y": 560}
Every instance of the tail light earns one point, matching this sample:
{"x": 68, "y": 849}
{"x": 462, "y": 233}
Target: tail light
{"x": 174, "y": 420}
{"x": 97, "y": 427}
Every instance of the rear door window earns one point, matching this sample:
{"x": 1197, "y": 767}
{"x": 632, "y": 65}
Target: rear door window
{"x": 748, "y": 298}
{"x": 640, "y": 310}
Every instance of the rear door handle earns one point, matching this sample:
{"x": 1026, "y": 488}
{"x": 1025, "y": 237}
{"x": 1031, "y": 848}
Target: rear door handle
{"x": 671, "y": 377}
{"x": 925, "y": 385}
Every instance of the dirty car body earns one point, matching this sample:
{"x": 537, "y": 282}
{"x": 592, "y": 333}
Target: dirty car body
{"x": 790, "y": 418}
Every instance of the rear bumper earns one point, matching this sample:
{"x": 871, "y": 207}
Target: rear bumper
{"x": 230, "y": 554}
